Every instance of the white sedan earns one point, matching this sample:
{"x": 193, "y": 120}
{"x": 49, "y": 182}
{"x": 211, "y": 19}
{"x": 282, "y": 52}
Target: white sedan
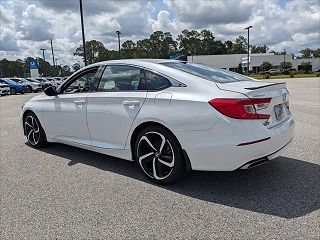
{"x": 168, "y": 116}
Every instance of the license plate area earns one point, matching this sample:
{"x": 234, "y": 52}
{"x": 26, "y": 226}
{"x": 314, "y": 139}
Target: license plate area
{"x": 280, "y": 111}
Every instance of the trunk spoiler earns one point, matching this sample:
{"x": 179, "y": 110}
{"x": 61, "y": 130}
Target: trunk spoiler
{"x": 254, "y": 88}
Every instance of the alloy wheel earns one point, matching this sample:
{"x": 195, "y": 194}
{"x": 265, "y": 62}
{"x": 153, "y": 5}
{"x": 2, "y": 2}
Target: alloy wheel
{"x": 155, "y": 155}
{"x": 32, "y": 130}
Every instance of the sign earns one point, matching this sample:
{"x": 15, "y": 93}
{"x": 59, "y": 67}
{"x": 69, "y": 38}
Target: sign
{"x": 33, "y": 64}
{"x": 244, "y": 61}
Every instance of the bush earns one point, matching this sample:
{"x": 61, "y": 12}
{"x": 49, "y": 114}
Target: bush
{"x": 267, "y": 75}
{"x": 292, "y": 74}
{"x": 318, "y": 74}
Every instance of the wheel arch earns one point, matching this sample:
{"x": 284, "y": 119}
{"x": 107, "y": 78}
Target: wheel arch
{"x": 24, "y": 116}
{"x": 143, "y": 125}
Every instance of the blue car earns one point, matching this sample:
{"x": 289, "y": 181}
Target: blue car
{"x": 15, "y": 87}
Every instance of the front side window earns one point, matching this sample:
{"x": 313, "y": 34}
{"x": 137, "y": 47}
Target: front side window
{"x": 122, "y": 78}
{"x": 81, "y": 84}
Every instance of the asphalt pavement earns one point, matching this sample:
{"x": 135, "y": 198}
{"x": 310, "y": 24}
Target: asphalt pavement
{"x": 61, "y": 192}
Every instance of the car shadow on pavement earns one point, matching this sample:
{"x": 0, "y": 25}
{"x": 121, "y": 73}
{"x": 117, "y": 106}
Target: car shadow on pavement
{"x": 284, "y": 187}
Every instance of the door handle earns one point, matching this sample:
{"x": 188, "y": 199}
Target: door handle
{"x": 131, "y": 103}
{"x": 79, "y": 102}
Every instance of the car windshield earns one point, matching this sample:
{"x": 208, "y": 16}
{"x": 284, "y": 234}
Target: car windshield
{"x": 8, "y": 80}
{"x": 209, "y": 73}
{"x": 16, "y": 80}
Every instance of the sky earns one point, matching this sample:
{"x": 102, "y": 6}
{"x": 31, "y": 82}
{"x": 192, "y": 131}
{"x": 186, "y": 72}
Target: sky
{"x": 26, "y": 26}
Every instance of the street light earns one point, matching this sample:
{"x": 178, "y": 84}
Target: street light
{"x": 118, "y": 32}
{"x": 248, "y": 64}
{"x": 52, "y": 52}
{"x": 43, "y": 49}
{"x": 83, "y": 38}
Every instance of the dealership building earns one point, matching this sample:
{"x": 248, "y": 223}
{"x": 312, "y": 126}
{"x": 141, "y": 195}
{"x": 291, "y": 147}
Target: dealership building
{"x": 232, "y": 61}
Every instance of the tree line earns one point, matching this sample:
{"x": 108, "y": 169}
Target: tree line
{"x": 158, "y": 45}
{"x": 162, "y": 45}
{"x": 20, "y": 68}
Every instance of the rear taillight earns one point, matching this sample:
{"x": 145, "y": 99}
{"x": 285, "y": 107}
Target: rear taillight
{"x": 241, "y": 108}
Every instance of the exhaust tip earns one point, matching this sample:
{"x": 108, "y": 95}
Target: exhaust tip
{"x": 254, "y": 163}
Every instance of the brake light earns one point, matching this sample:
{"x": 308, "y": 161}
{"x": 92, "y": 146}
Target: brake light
{"x": 241, "y": 108}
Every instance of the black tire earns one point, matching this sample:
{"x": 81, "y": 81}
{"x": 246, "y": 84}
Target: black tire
{"x": 159, "y": 155}
{"x": 33, "y": 130}
{"x": 13, "y": 91}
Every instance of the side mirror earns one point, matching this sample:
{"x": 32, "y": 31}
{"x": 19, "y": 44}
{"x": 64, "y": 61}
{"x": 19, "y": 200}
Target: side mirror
{"x": 51, "y": 91}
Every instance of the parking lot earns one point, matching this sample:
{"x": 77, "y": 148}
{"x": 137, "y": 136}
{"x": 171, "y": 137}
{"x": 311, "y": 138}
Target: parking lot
{"x": 62, "y": 192}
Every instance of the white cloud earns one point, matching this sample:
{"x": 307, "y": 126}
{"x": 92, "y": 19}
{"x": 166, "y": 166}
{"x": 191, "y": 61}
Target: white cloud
{"x": 27, "y": 26}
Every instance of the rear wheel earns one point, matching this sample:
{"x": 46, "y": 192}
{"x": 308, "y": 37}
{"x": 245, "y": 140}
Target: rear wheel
{"x": 33, "y": 130}
{"x": 13, "y": 91}
{"x": 159, "y": 155}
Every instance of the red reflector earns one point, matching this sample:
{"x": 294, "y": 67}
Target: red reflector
{"x": 240, "y": 108}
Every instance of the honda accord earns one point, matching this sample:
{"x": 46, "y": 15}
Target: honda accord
{"x": 168, "y": 116}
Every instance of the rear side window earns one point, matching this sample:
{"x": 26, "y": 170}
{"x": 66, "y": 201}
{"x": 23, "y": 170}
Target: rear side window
{"x": 209, "y": 73}
{"x": 122, "y": 78}
{"x": 156, "y": 82}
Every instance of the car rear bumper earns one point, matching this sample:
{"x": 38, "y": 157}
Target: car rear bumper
{"x": 221, "y": 148}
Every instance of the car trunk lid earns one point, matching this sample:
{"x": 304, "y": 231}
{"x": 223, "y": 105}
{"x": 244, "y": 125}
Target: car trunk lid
{"x": 278, "y": 108}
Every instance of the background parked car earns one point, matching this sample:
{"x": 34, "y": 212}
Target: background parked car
{"x": 15, "y": 87}
{"x": 53, "y": 82}
{"x": 32, "y": 86}
{"x": 19, "y": 80}
{"x": 4, "y": 89}
{"x": 58, "y": 80}
{"x": 44, "y": 82}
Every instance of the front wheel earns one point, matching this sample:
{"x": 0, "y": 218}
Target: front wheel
{"x": 159, "y": 155}
{"x": 33, "y": 130}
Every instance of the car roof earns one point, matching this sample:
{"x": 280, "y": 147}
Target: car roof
{"x": 141, "y": 62}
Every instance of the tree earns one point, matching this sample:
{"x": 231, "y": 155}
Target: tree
{"x": 229, "y": 46}
{"x": 240, "y": 46}
{"x": 266, "y": 66}
{"x": 189, "y": 42}
{"x": 95, "y": 51}
{"x": 161, "y": 45}
{"x": 316, "y": 53}
{"x": 208, "y": 42}
{"x": 306, "y": 66}
{"x": 259, "y": 49}
{"x": 65, "y": 71}
{"x": 76, "y": 67}
{"x": 143, "y": 48}
{"x": 285, "y": 66}
{"x": 306, "y": 53}
{"x": 45, "y": 69}
{"x": 128, "y": 49}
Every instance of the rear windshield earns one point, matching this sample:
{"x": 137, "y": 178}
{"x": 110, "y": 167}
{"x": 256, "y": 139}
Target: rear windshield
{"x": 209, "y": 73}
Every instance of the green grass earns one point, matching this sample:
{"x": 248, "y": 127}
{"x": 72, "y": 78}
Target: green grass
{"x": 300, "y": 75}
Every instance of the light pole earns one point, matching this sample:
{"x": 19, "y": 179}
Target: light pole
{"x": 52, "y": 52}
{"x": 248, "y": 63}
{"x": 83, "y": 37}
{"x": 118, "y": 33}
{"x": 284, "y": 55}
{"x": 43, "y": 49}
